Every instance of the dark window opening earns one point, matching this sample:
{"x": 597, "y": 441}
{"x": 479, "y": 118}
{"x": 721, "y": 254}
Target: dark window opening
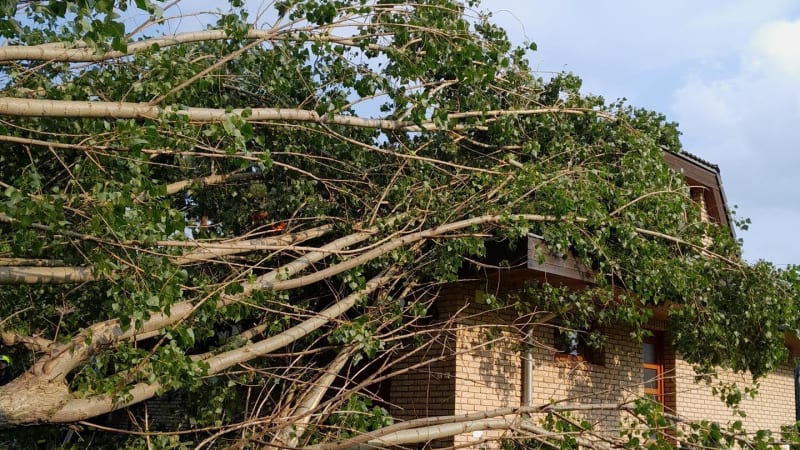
{"x": 578, "y": 346}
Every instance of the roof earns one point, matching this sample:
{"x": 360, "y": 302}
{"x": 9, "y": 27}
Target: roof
{"x": 699, "y": 172}
{"x": 698, "y": 160}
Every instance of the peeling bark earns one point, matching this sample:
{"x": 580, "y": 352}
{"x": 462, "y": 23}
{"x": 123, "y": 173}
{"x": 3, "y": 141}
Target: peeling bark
{"x": 31, "y": 399}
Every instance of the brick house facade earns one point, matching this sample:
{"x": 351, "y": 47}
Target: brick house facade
{"x": 479, "y": 363}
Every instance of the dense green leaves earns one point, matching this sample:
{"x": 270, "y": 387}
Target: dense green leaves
{"x": 467, "y": 131}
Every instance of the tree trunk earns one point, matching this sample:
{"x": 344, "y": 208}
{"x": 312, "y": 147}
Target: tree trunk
{"x": 31, "y": 399}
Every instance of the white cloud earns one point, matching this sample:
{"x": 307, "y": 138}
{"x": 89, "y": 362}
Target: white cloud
{"x": 634, "y": 35}
{"x": 634, "y": 49}
{"x": 777, "y": 43}
{"x": 749, "y": 123}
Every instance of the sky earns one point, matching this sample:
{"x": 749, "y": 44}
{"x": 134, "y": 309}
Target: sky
{"x": 727, "y": 71}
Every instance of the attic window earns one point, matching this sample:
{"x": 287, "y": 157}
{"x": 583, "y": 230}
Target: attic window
{"x": 572, "y": 345}
{"x": 698, "y": 195}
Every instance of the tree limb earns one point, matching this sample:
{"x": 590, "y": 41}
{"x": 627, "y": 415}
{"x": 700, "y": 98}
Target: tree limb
{"x": 425, "y": 422}
{"x": 80, "y": 409}
{"x": 23, "y": 107}
{"x": 30, "y": 262}
{"x": 33, "y": 343}
{"x": 48, "y": 274}
{"x": 67, "y": 356}
{"x": 301, "y": 416}
{"x": 211, "y": 180}
{"x": 45, "y": 275}
{"x": 208, "y": 251}
{"x": 80, "y": 52}
{"x": 426, "y": 434}
{"x": 392, "y": 245}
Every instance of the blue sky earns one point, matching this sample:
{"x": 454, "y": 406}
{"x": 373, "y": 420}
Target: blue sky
{"x": 727, "y": 71}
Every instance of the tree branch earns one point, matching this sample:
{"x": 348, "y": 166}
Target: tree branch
{"x": 80, "y": 52}
{"x": 80, "y": 409}
{"x": 393, "y": 245}
{"x": 301, "y": 416}
{"x": 48, "y": 274}
{"x": 211, "y": 180}
{"x": 23, "y": 107}
{"x": 30, "y": 262}
{"x": 67, "y": 356}
{"x": 476, "y": 417}
{"x": 45, "y": 275}
{"x": 208, "y": 251}
{"x": 33, "y": 343}
{"x": 32, "y": 275}
{"x": 426, "y": 434}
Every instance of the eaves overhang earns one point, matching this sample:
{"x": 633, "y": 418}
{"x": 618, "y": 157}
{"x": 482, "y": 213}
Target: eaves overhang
{"x": 701, "y": 173}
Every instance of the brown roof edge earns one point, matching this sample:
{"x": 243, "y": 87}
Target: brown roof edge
{"x": 705, "y": 173}
{"x": 695, "y": 159}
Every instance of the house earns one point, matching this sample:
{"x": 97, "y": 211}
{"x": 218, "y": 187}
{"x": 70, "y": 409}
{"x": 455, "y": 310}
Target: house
{"x": 489, "y": 361}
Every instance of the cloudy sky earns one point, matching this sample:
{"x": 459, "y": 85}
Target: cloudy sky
{"x": 728, "y": 71}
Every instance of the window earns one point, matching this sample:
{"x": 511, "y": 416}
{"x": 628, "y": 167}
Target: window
{"x": 653, "y": 368}
{"x": 573, "y": 345}
{"x": 698, "y": 195}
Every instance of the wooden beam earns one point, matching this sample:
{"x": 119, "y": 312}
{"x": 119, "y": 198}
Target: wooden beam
{"x": 541, "y": 259}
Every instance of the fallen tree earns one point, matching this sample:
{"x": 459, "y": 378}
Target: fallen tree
{"x": 269, "y": 206}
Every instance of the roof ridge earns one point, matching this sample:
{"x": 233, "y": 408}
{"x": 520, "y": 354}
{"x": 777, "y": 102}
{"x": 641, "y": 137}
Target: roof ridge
{"x": 700, "y": 160}
{"x": 694, "y": 158}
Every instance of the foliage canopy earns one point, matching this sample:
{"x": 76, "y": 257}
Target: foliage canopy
{"x": 269, "y": 200}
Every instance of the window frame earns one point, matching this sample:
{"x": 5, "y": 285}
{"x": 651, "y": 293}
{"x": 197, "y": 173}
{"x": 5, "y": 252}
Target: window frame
{"x": 658, "y": 393}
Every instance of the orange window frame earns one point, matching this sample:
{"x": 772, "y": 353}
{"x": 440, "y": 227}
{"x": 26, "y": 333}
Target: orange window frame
{"x": 657, "y": 393}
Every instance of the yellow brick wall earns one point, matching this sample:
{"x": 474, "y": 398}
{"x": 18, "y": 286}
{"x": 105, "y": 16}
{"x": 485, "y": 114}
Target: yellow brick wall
{"x": 616, "y": 380}
{"x": 484, "y": 373}
{"x": 774, "y": 406}
{"x": 488, "y": 375}
{"x": 426, "y": 385}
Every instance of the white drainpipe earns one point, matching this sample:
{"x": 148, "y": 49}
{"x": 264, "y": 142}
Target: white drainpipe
{"x": 527, "y": 370}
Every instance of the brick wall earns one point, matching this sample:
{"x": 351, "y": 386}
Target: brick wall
{"x": 488, "y": 372}
{"x": 774, "y": 406}
{"x": 615, "y": 380}
{"x": 488, "y": 375}
{"x": 483, "y": 371}
{"x": 427, "y": 387}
